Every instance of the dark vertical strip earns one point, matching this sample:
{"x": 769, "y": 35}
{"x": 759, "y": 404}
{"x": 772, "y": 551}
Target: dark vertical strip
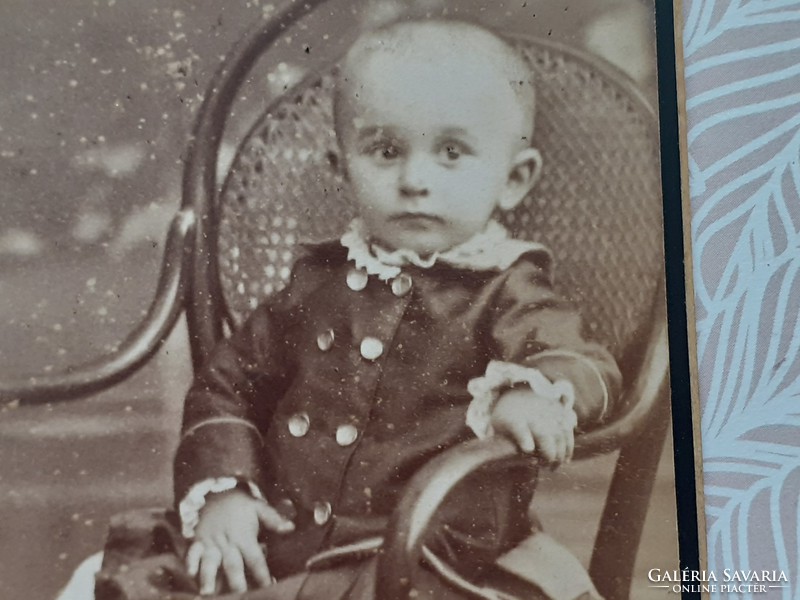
{"x": 685, "y": 484}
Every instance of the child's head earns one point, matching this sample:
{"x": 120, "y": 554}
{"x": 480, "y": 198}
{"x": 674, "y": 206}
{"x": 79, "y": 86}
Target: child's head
{"x": 434, "y": 119}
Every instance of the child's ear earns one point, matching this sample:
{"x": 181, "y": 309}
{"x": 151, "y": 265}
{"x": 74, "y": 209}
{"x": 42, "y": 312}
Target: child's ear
{"x": 525, "y": 172}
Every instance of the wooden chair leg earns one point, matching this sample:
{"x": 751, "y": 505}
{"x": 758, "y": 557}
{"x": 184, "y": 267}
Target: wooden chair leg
{"x": 628, "y": 499}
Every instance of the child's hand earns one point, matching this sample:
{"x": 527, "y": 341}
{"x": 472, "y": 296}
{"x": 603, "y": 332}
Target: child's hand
{"x": 227, "y": 536}
{"x": 536, "y": 423}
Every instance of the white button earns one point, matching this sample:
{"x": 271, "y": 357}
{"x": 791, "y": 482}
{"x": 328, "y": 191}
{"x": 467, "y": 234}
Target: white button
{"x": 346, "y": 434}
{"x": 325, "y": 340}
{"x": 322, "y": 512}
{"x": 299, "y": 424}
{"x": 371, "y": 348}
{"x": 357, "y": 279}
{"x": 401, "y": 285}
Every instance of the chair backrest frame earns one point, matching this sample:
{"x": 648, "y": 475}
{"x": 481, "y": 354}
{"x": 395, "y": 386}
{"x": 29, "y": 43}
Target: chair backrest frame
{"x": 205, "y": 307}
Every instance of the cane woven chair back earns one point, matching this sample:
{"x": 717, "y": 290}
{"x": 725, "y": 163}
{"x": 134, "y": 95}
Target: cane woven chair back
{"x": 597, "y": 205}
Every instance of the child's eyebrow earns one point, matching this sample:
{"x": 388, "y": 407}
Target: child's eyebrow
{"x": 455, "y": 132}
{"x": 374, "y": 131}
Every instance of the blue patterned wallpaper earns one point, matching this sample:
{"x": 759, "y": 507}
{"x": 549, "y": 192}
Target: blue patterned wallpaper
{"x": 742, "y": 68}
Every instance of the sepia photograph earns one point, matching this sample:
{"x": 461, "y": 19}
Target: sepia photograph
{"x": 338, "y": 299}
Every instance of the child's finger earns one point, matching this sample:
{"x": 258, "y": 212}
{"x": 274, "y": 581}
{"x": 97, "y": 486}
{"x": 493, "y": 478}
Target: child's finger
{"x": 256, "y": 563}
{"x": 272, "y": 519}
{"x": 553, "y": 444}
{"x": 209, "y": 567}
{"x": 233, "y": 565}
{"x": 547, "y": 447}
{"x": 193, "y": 557}
{"x": 572, "y": 419}
{"x": 561, "y": 448}
{"x": 522, "y": 435}
{"x": 570, "y": 446}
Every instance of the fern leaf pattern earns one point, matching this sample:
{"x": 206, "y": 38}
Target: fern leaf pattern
{"x": 742, "y": 69}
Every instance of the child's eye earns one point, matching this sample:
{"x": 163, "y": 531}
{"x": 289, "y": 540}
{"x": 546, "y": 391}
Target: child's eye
{"x": 452, "y": 151}
{"x": 390, "y": 152}
{"x": 385, "y": 151}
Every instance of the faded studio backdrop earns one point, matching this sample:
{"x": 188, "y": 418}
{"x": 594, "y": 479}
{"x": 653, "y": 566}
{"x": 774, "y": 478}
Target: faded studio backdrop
{"x": 97, "y": 101}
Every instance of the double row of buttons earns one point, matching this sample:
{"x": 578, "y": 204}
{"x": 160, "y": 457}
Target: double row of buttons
{"x": 346, "y": 434}
{"x": 371, "y": 348}
{"x": 299, "y": 424}
{"x": 321, "y": 511}
{"x": 357, "y": 280}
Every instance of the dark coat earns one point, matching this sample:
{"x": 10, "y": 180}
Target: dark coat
{"x": 330, "y": 398}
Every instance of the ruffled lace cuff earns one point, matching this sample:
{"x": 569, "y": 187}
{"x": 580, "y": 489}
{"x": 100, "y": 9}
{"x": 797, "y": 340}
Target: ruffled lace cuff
{"x": 501, "y": 376}
{"x": 195, "y": 500}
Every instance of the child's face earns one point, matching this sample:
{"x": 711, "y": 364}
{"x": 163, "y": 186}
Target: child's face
{"x": 433, "y": 147}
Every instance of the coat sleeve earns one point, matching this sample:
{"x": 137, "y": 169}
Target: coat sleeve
{"x": 231, "y": 402}
{"x": 532, "y": 326}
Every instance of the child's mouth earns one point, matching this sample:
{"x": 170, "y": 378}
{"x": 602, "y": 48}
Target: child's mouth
{"x": 416, "y": 219}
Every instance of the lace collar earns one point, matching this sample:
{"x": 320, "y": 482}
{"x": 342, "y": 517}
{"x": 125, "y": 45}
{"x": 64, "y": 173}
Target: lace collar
{"x": 491, "y": 249}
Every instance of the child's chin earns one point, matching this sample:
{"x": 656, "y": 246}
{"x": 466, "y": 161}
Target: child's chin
{"x": 422, "y": 245}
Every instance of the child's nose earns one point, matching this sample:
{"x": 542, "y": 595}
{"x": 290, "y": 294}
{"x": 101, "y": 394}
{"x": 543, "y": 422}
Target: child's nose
{"x": 414, "y": 178}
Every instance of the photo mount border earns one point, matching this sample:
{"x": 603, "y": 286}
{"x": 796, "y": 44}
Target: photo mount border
{"x": 680, "y": 291}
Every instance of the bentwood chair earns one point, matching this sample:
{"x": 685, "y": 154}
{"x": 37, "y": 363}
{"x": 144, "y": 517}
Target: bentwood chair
{"x": 597, "y": 206}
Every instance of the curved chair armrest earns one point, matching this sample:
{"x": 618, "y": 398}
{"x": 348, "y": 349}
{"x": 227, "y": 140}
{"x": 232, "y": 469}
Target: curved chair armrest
{"x": 428, "y": 489}
{"x": 140, "y": 345}
{"x": 402, "y": 549}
